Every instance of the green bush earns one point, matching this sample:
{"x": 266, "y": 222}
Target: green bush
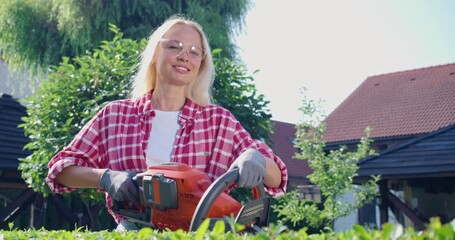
{"x": 333, "y": 172}
{"x": 296, "y": 213}
{"x": 72, "y": 94}
{"x": 434, "y": 231}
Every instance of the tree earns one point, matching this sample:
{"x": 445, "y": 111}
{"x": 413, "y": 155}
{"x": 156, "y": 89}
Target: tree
{"x": 35, "y": 34}
{"x": 235, "y": 90}
{"x": 78, "y": 88}
{"x": 333, "y": 172}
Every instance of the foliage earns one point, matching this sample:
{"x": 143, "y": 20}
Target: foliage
{"x": 72, "y": 94}
{"x": 21, "y": 42}
{"x": 435, "y": 230}
{"x": 333, "y": 172}
{"x": 80, "y": 87}
{"x": 235, "y": 90}
{"x": 35, "y": 34}
{"x": 293, "y": 203}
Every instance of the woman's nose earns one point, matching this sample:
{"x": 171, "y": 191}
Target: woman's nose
{"x": 183, "y": 55}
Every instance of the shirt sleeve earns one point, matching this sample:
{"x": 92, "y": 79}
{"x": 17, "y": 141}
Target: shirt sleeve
{"x": 82, "y": 151}
{"x": 243, "y": 141}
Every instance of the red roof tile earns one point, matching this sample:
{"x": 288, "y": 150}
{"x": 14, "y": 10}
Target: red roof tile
{"x": 402, "y": 103}
{"x": 283, "y": 146}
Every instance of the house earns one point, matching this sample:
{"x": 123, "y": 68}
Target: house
{"x": 412, "y": 117}
{"x": 283, "y": 140}
{"x": 12, "y": 141}
{"x": 14, "y": 194}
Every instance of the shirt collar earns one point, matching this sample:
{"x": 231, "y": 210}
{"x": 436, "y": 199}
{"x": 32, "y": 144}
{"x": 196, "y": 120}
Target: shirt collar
{"x": 187, "y": 113}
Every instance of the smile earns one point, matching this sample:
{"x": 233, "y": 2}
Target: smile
{"x": 181, "y": 69}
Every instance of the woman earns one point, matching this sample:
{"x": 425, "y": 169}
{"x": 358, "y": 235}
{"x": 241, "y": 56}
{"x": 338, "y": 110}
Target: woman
{"x": 169, "y": 118}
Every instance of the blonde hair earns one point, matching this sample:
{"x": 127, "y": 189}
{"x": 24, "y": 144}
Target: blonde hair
{"x": 145, "y": 80}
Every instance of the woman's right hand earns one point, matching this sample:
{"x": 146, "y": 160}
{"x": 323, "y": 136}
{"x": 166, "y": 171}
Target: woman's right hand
{"x": 120, "y": 185}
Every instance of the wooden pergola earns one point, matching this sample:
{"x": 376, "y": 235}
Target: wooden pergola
{"x": 428, "y": 161}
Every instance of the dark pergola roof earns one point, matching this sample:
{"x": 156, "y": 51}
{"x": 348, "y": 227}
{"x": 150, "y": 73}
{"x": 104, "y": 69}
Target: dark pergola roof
{"x": 430, "y": 155}
{"x": 12, "y": 139}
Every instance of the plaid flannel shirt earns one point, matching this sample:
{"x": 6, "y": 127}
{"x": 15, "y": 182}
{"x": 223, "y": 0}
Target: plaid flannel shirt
{"x": 210, "y": 139}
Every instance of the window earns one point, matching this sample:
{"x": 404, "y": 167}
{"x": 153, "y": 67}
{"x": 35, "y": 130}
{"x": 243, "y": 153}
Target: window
{"x": 310, "y": 192}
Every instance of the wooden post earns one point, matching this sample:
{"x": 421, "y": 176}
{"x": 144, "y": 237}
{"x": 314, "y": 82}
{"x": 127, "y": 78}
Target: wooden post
{"x": 384, "y": 203}
{"x": 38, "y": 212}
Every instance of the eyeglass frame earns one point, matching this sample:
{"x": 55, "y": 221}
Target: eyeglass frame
{"x": 182, "y": 47}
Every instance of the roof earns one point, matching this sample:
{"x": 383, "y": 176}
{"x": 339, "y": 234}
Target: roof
{"x": 396, "y": 104}
{"x": 12, "y": 138}
{"x": 431, "y": 154}
{"x": 283, "y": 146}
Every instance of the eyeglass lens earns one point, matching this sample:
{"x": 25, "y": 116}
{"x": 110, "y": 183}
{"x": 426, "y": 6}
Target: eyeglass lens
{"x": 176, "y": 47}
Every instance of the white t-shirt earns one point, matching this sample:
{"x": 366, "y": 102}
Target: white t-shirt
{"x": 161, "y": 140}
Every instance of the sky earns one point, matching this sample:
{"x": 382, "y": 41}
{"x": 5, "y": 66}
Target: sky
{"x": 331, "y": 47}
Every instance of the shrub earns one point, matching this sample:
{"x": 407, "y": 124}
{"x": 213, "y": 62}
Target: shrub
{"x": 435, "y": 230}
{"x": 333, "y": 172}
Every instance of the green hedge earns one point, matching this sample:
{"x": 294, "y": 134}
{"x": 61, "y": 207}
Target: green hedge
{"x": 435, "y": 230}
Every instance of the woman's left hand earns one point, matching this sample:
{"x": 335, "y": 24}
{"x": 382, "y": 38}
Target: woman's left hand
{"x": 252, "y": 166}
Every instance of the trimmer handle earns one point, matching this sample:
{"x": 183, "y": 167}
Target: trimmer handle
{"x": 142, "y": 217}
{"x": 212, "y": 193}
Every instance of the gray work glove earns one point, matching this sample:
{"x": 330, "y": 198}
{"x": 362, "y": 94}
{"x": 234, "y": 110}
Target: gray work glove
{"x": 120, "y": 185}
{"x": 251, "y": 165}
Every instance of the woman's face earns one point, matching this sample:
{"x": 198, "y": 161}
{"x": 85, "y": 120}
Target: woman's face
{"x": 179, "y": 56}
